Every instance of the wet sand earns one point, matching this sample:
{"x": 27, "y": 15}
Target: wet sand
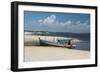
{"x": 47, "y": 53}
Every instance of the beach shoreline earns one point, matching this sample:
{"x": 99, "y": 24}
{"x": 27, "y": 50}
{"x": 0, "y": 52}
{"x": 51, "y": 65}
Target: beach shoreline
{"x": 34, "y": 52}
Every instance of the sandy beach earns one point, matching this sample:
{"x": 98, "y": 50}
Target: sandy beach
{"x": 34, "y": 52}
{"x": 41, "y": 53}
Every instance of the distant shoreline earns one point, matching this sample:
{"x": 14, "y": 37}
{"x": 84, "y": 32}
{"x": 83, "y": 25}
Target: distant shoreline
{"x": 55, "y": 32}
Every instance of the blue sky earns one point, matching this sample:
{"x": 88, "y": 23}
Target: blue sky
{"x": 57, "y": 22}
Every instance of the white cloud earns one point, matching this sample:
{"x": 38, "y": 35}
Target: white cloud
{"x": 67, "y": 23}
{"x": 50, "y": 19}
{"x": 40, "y": 21}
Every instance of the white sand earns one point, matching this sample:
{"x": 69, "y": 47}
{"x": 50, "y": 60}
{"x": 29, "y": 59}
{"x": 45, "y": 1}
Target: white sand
{"x": 41, "y": 53}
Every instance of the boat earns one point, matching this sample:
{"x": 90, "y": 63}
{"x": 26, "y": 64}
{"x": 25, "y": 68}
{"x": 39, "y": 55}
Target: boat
{"x": 57, "y": 44}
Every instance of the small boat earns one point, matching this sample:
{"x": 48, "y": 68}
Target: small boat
{"x": 57, "y": 44}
